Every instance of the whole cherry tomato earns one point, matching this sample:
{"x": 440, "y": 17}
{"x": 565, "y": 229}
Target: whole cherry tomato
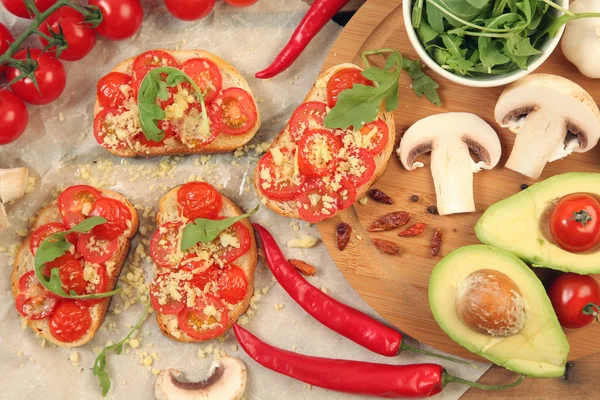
{"x": 6, "y": 38}
{"x": 190, "y": 10}
{"x": 574, "y": 222}
{"x": 79, "y": 35}
{"x": 122, "y": 18}
{"x": 18, "y": 8}
{"x": 13, "y": 116}
{"x": 240, "y": 3}
{"x": 575, "y": 299}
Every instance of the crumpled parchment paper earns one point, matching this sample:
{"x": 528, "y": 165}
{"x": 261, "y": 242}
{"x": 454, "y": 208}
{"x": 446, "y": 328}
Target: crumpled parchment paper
{"x": 60, "y": 150}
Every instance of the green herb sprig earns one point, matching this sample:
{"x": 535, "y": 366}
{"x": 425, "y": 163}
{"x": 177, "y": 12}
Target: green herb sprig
{"x": 100, "y": 363}
{"x": 54, "y": 247}
{"x": 206, "y": 230}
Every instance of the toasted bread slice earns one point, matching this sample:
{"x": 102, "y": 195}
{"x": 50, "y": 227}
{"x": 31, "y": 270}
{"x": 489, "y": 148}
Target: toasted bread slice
{"x": 24, "y": 262}
{"x": 319, "y": 93}
{"x": 223, "y": 143}
{"x": 168, "y": 211}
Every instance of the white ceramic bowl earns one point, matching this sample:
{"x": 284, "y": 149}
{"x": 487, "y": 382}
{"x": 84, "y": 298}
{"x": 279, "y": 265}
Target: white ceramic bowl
{"x": 480, "y": 81}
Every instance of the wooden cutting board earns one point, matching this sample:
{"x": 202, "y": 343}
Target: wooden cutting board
{"x": 396, "y": 286}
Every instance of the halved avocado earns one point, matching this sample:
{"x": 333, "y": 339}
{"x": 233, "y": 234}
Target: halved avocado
{"x": 519, "y": 224}
{"x": 540, "y": 347}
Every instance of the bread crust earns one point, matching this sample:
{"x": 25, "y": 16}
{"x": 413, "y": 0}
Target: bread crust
{"x": 24, "y": 262}
{"x": 223, "y": 143}
{"x": 318, "y": 92}
{"x": 167, "y": 211}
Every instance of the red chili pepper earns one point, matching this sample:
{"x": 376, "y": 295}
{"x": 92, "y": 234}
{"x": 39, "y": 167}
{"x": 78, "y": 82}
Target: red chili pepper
{"x": 391, "y": 381}
{"x": 317, "y": 16}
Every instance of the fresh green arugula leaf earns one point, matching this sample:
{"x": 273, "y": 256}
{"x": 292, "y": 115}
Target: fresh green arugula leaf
{"x": 100, "y": 363}
{"x": 417, "y": 13}
{"x": 422, "y": 84}
{"x": 426, "y": 33}
{"x": 206, "y": 230}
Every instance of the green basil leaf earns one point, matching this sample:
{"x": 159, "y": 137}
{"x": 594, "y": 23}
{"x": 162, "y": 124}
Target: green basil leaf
{"x": 206, "y": 230}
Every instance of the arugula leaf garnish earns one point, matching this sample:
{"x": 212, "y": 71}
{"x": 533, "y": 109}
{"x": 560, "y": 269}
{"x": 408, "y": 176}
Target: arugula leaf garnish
{"x": 54, "y": 247}
{"x": 206, "y": 230}
{"x": 360, "y": 104}
{"x": 155, "y": 86}
{"x": 100, "y": 362}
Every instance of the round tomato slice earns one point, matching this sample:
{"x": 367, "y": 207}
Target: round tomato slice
{"x": 202, "y": 274}
{"x": 96, "y": 250}
{"x": 106, "y": 126}
{"x": 45, "y": 231}
{"x": 114, "y": 89}
{"x": 207, "y": 76}
{"x": 231, "y": 253}
{"x": 308, "y": 116}
{"x": 199, "y": 325}
{"x": 166, "y": 126}
{"x": 233, "y": 284}
{"x": 358, "y": 167}
{"x": 165, "y": 300}
{"x": 154, "y": 58}
{"x": 118, "y": 218}
{"x": 574, "y": 222}
{"x": 191, "y": 131}
{"x": 33, "y": 301}
{"x": 318, "y": 153}
{"x": 98, "y": 283}
{"x": 163, "y": 245}
{"x": 316, "y": 202}
{"x": 235, "y": 111}
{"x": 342, "y": 80}
{"x": 75, "y": 203}
{"x": 372, "y": 137}
{"x": 70, "y": 271}
{"x": 347, "y": 195}
{"x": 70, "y": 321}
{"x": 279, "y": 181}
{"x": 199, "y": 200}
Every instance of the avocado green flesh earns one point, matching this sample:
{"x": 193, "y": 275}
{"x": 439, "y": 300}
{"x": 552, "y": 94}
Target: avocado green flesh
{"x": 513, "y": 224}
{"x": 540, "y": 349}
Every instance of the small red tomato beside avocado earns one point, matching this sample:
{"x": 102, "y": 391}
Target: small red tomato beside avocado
{"x": 575, "y": 299}
{"x": 121, "y": 18}
{"x": 574, "y": 223}
{"x": 13, "y": 117}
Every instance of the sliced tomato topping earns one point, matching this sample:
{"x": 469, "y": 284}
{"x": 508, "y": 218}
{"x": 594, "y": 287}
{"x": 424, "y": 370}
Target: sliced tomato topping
{"x": 45, "y": 231}
{"x": 206, "y": 75}
{"x": 199, "y": 200}
{"x": 230, "y": 252}
{"x": 235, "y": 111}
{"x": 233, "y": 284}
{"x": 309, "y": 116}
{"x": 165, "y": 300}
{"x": 106, "y": 126}
{"x": 347, "y": 194}
{"x": 342, "y": 80}
{"x": 202, "y": 274}
{"x": 95, "y": 249}
{"x": 70, "y": 271}
{"x": 114, "y": 89}
{"x": 279, "y": 181}
{"x": 166, "y": 126}
{"x": 372, "y": 137}
{"x": 118, "y": 218}
{"x": 358, "y": 167}
{"x": 33, "y": 301}
{"x": 75, "y": 203}
{"x": 154, "y": 58}
{"x": 191, "y": 127}
{"x": 317, "y": 203}
{"x": 163, "y": 245}
{"x": 97, "y": 284}
{"x": 208, "y": 319}
{"x": 70, "y": 321}
{"x": 318, "y": 153}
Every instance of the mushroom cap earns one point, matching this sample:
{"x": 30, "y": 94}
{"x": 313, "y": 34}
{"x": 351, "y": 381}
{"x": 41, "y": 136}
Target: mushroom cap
{"x": 581, "y": 41}
{"x": 451, "y": 129}
{"x": 555, "y": 95}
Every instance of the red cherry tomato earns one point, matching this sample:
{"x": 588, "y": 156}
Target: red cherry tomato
{"x": 198, "y": 325}
{"x": 236, "y": 111}
{"x": 6, "y": 38}
{"x": 79, "y": 35}
{"x": 202, "y": 274}
{"x": 169, "y": 134}
{"x": 570, "y": 294}
{"x": 342, "y": 80}
{"x": 278, "y": 182}
{"x": 199, "y": 200}
{"x": 101, "y": 286}
{"x": 206, "y": 75}
{"x": 230, "y": 253}
{"x": 347, "y": 194}
{"x": 106, "y": 126}
{"x": 154, "y": 58}
{"x": 318, "y": 153}
{"x": 111, "y": 89}
{"x": 190, "y": 10}
{"x": 308, "y": 116}
{"x": 358, "y": 167}
{"x": 70, "y": 321}
{"x": 70, "y": 270}
{"x": 46, "y": 231}
{"x": 233, "y": 284}
{"x": 163, "y": 245}
{"x": 50, "y": 75}
{"x": 121, "y": 18}
{"x": 33, "y": 301}
{"x": 317, "y": 203}
{"x": 159, "y": 293}
{"x": 117, "y": 215}
{"x": 96, "y": 250}
{"x": 574, "y": 222}
{"x": 18, "y": 7}
{"x": 76, "y": 202}
{"x": 240, "y": 3}
{"x": 13, "y": 116}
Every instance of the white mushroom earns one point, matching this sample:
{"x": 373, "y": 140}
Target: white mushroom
{"x": 581, "y": 40}
{"x": 227, "y": 381}
{"x": 551, "y": 116}
{"x": 450, "y": 137}
{"x": 13, "y": 182}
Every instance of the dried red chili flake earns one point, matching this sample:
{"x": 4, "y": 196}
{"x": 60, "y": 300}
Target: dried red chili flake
{"x": 304, "y": 267}
{"x": 436, "y": 242}
{"x": 390, "y": 221}
{"x": 379, "y": 196}
{"x": 414, "y": 230}
{"x": 386, "y": 246}
{"x": 343, "y": 235}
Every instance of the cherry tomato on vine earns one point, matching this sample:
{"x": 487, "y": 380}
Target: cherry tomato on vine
{"x": 50, "y": 75}
{"x": 575, "y": 299}
{"x": 13, "y": 116}
{"x": 79, "y": 35}
{"x": 6, "y": 38}
{"x": 18, "y": 8}
{"x": 574, "y": 222}
{"x": 190, "y": 10}
{"x": 122, "y": 18}
{"x": 240, "y": 3}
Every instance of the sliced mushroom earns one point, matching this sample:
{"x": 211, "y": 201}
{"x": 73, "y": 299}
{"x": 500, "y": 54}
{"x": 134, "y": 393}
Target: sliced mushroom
{"x": 552, "y": 118}
{"x": 13, "y": 182}
{"x": 227, "y": 381}
{"x": 450, "y": 137}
